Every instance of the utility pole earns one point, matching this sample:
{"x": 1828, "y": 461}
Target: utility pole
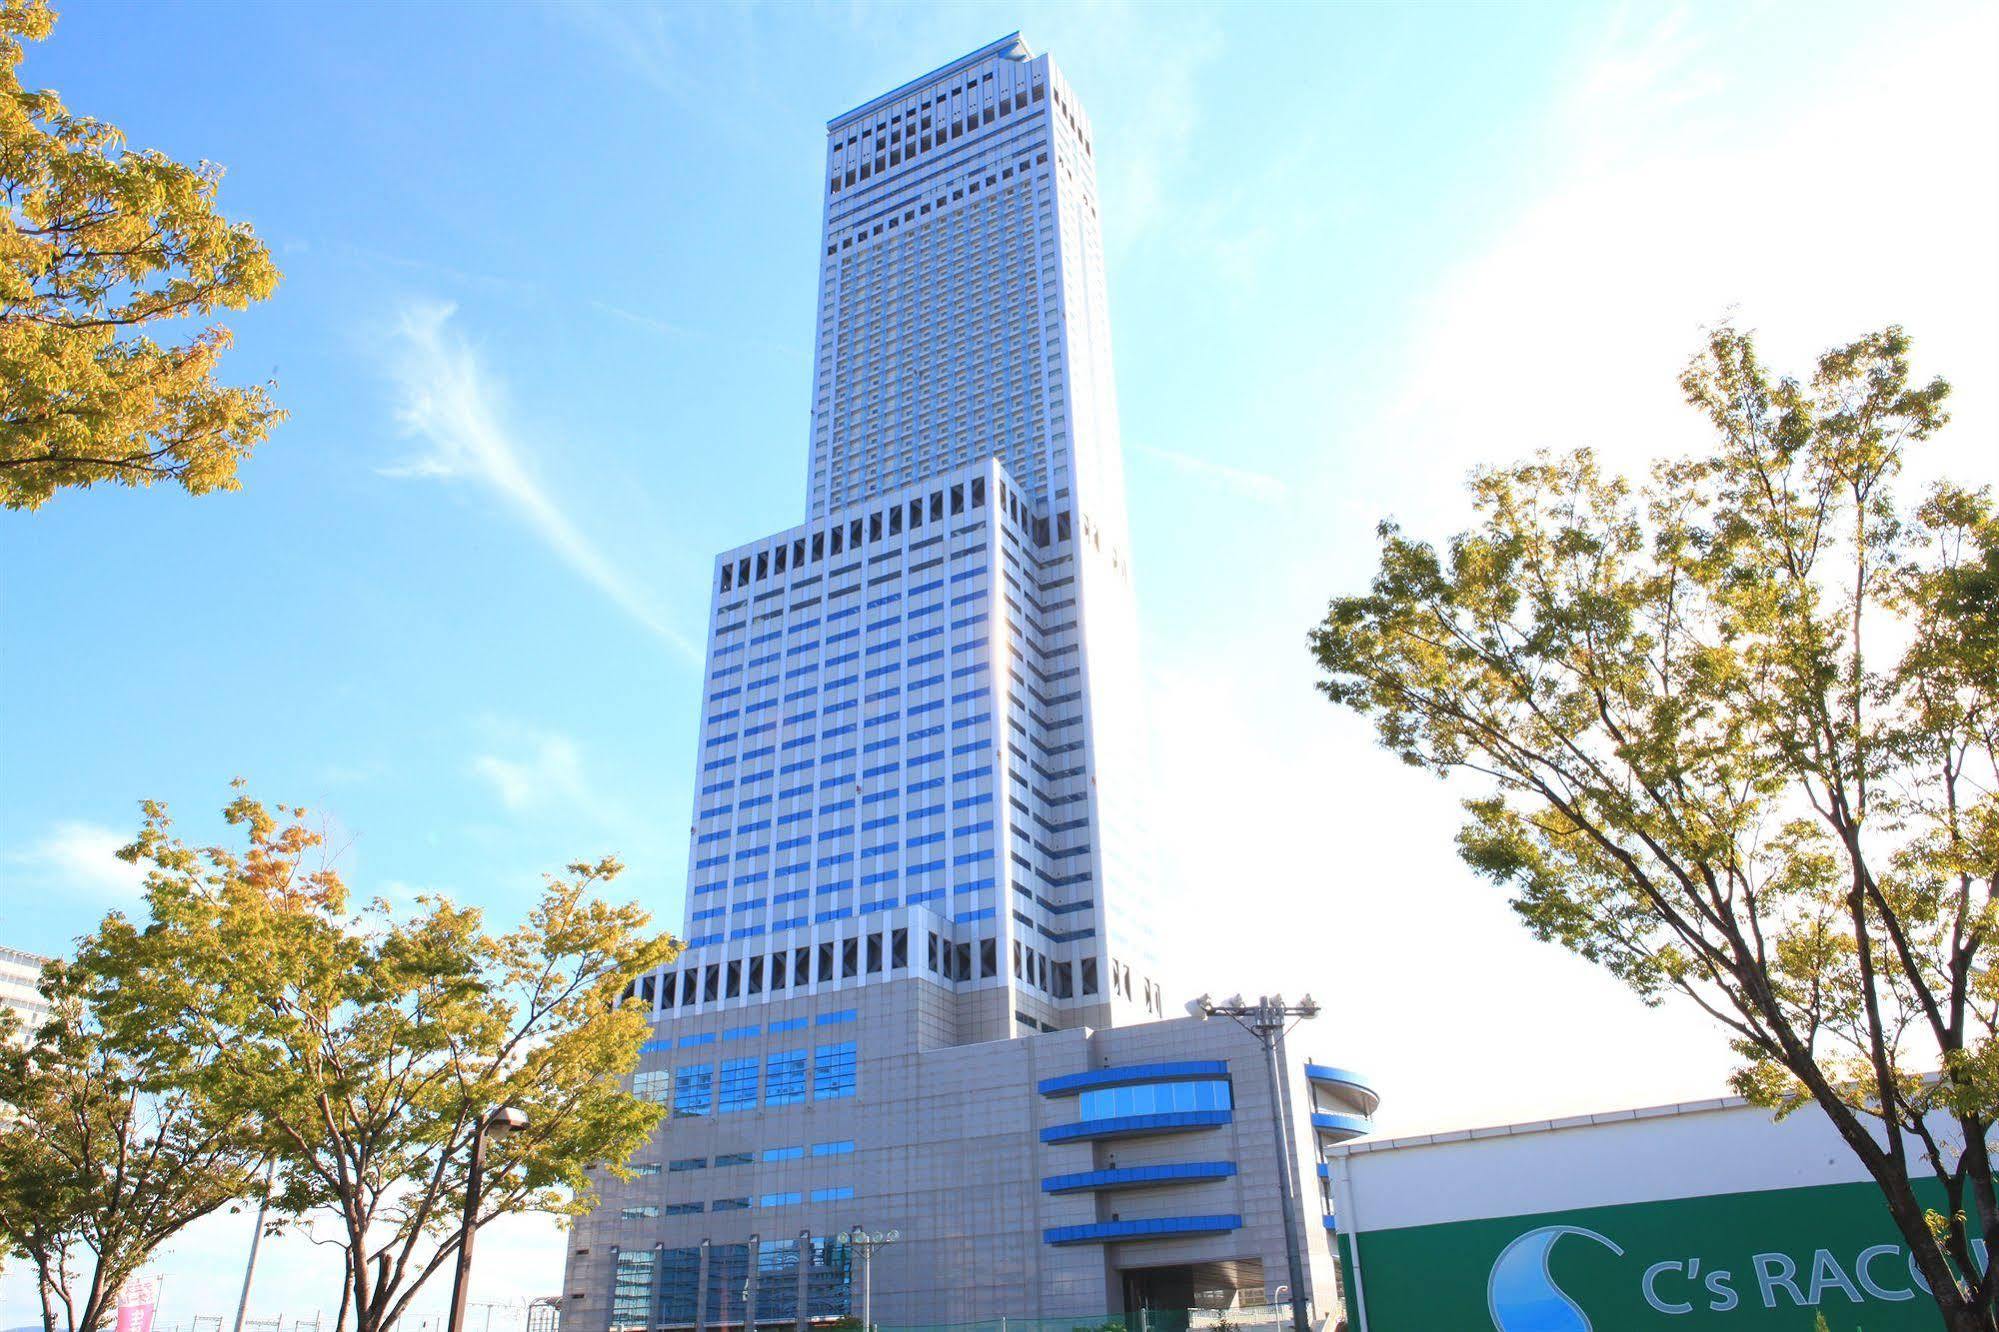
{"x": 1268, "y": 1019}
{"x": 867, "y": 1243}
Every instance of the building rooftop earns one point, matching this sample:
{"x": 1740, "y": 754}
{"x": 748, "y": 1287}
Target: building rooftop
{"x": 1538, "y": 1126}
{"x": 1011, "y": 44}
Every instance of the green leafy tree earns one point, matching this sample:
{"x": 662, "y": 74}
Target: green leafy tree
{"x": 98, "y": 241}
{"x": 1736, "y": 738}
{"x": 100, "y": 1164}
{"x": 368, "y": 1048}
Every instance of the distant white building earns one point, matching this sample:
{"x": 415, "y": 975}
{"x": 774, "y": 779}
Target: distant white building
{"x": 19, "y": 972}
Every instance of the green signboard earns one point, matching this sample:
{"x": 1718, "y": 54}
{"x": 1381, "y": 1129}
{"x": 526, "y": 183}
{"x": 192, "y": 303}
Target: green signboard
{"x": 1747, "y": 1261}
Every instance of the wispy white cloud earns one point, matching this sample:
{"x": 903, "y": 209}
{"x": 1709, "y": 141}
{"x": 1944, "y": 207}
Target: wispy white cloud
{"x": 1261, "y": 487}
{"x": 533, "y": 769}
{"x": 540, "y": 769}
{"x": 80, "y": 856}
{"x": 448, "y": 401}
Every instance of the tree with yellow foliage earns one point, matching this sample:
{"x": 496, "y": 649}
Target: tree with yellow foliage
{"x": 1734, "y": 736}
{"x": 368, "y": 1048}
{"x": 98, "y": 241}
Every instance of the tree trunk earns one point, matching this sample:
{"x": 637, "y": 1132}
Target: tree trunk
{"x": 371, "y": 1310}
{"x": 1967, "y": 1320}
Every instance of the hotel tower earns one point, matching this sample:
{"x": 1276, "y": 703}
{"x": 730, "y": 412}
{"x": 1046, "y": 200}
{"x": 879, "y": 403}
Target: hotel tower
{"x": 923, "y": 989}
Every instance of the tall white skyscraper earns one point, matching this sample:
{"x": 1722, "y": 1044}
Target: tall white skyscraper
{"x": 922, "y": 713}
{"x": 918, "y": 927}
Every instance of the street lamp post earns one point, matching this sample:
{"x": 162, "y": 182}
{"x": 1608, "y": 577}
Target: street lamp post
{"x": 867, "y": 1242}
{"x": 1268, "y": 1019}
{"x": 504, "y": 1120}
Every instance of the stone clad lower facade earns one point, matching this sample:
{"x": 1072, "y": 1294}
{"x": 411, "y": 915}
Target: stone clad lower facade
{"x": 1074, "y": 1173}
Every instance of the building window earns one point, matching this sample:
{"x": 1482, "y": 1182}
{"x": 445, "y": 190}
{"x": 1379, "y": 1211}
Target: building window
{"x": 653, "y": 1085}
{"x": 1155, "y": 1098}
{"x": 784, "y": 1078}
{"x": 693, "y": 1093}
{"x": 739, "y": 1085}
{"x": 833, "y": 1071}
{"x": 829, "y": 1277}
{"x": 679, "y": 1275}
{"x": 631, "y": 1291}
{"x": 777, "y": 1280}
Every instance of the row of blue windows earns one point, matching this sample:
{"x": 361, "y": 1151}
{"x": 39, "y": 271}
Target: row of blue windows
{"x": 730, "y": 784}
{"x": 847, "y": 830}
{"x": 913, "y": 639}
{"x": 844, "y": 1147}
{"x": 840, "y": 778}
{"x": 664, "y": 1287}
{"x": 1155, "y": 1098}
{"x": 832, "y": 711}
{"x": 835, "y": 1193}
{"x": 968, "y": 646}
{"x": 782, "y": 1078}
{"x": 841, "y": 1148}
{"x": 829, "y": 1019}
{"x": 914, "y": 898}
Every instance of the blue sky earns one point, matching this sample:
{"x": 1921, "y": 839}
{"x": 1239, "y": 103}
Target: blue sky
{"x": 544, "y": 335}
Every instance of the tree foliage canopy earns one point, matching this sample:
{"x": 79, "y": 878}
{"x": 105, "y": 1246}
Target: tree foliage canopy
{"x": 96, "y": 242}
{"x": 368, "y": 1048}
{"x": 1737, "y": 734}
{"x": 100, "y": 1163}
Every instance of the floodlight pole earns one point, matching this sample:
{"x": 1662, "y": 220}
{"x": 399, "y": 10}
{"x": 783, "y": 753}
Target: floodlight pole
{"x": 867, "y": 1243}
{"x": 1268, "y": 1019}
{"x": 256, "y": 1238}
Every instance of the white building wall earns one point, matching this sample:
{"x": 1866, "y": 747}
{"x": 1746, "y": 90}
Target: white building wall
{"x": 1689, "y": 1150}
